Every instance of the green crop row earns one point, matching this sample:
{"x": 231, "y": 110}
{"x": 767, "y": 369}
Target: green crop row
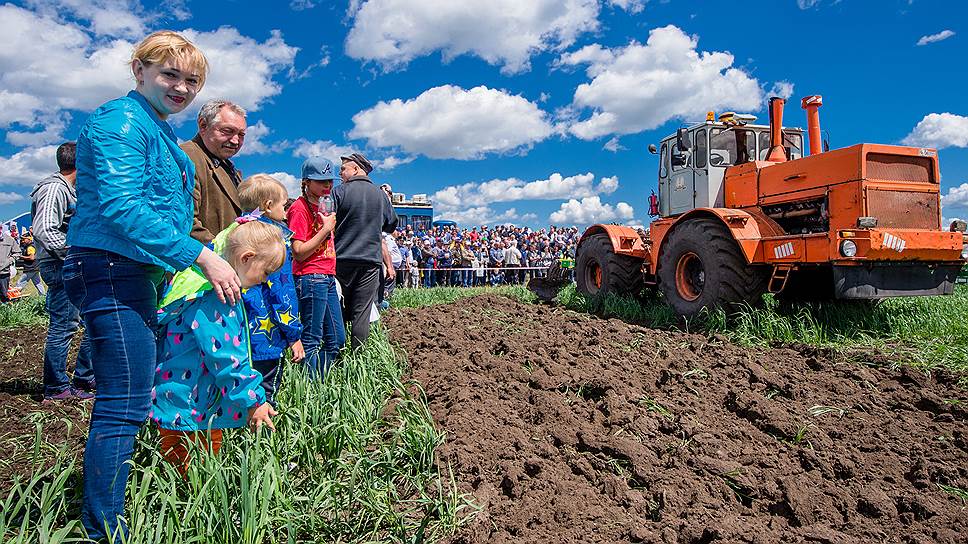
{"x": 352, "y": 460}
{"x": 929, "y": 332}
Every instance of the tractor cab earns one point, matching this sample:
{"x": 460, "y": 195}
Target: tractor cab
{"x": 693, "y": 161}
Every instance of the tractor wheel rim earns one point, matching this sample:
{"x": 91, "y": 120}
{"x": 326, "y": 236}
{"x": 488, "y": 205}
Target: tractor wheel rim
{"x": 593, "y": 277}
{"x": 690, "y": 277}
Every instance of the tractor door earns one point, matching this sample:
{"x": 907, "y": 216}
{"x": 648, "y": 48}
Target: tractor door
{"x": 707, "y": 188}
{"x": 682, "y": 189}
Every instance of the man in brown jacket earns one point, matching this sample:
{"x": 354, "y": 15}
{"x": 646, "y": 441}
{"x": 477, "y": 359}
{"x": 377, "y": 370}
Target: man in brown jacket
{"x": 221, "y": 132}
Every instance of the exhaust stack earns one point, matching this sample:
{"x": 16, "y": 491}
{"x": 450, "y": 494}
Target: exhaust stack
{"x": 812, "y": 104}
{"x": 776, "y": 154}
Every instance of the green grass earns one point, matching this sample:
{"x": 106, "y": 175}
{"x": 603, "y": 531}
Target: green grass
{"x": 417, "y": 298}
{"x": 353, "y": 460}
{"x": 23, "y": 312}
{"x": 929, "y": 332}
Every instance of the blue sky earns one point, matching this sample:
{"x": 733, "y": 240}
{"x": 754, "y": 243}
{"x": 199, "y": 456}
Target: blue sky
{"x": 530, "y": 112}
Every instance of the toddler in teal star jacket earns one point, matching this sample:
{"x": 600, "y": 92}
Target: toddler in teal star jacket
{"x": 204, "y": 379}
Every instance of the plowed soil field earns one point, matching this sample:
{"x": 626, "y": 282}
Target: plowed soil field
{"x": 564, "y": 427}
{"x": 21, "y": 406}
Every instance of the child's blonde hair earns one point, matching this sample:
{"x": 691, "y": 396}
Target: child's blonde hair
{"x": 167, "y": 45}
{"x": 261, "y": 238}
{"x": 257, "y": 189}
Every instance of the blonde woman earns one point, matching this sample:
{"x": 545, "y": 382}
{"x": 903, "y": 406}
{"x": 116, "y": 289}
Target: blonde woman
{"x": 132, "y": 224}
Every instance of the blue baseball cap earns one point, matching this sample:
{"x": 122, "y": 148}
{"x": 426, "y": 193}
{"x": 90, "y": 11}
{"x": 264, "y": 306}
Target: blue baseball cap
{"x": 319, "y": 169}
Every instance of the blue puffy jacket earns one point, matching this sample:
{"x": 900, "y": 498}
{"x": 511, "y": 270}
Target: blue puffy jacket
{"x": 134, "y": 187}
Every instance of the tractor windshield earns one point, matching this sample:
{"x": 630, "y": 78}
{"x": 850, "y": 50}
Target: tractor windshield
{"x": 728, "y": 147}
{"x": 792, "y": 141}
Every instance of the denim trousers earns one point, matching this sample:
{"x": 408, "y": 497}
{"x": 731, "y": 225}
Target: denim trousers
{"x": 64, "y": 322}
{"x": 117, "y": 297}
{"x": 324, "y": 333}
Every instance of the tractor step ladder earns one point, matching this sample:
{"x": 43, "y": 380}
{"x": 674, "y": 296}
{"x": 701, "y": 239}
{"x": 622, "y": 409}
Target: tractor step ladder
{"x": 781, "y": 273}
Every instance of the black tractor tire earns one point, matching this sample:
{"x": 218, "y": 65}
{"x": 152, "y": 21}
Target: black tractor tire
{"x": 600, "y": 271}
{"x": 711, "y": 271}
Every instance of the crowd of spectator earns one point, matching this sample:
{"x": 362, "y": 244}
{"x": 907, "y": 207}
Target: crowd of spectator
{"x": 462, "y": 257}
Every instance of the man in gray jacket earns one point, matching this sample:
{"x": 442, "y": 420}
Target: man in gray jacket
{"x": 54, "y": 201}
{"x": 9, "y": 250}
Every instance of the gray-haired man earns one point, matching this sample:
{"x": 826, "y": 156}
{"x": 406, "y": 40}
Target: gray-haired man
{"x": 221, "y": 133}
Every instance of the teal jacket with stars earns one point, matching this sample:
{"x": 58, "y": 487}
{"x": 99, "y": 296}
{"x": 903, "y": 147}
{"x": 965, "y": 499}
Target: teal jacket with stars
{"x": 204, "y": 377}
{"x": 273, "y": 308}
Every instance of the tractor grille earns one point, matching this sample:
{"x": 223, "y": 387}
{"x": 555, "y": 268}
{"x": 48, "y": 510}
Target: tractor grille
{"x": 904, "y": 209}
{"x": 899, "y": 168}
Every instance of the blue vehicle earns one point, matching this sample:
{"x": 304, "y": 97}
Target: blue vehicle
{"x": 23, "y": 221}
{"x": 417, "y": 212}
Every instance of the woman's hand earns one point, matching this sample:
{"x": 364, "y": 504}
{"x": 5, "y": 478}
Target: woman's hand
{"x": 221, "y": 275}
{"x": 260, "y": 415}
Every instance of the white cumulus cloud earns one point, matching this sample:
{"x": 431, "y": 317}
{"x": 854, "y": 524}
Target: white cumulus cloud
{"x": 956, "y": 197}
{"x": 48, "y": 66}
{"x": 555, "y": 187}
{"x": 631, "y": 6}
{"x": 504, "y": 33}
{"x": 641, "y": 86}
{"x": 255, "y": 141}
{"x": 590, "y": 210}
{"x": 939, "y": 130}
{"x": 329, "y": 150}
{"x": 485, "y": 215}
{"x": 931, "y": 38}
{"x": 321, "y": 148}
{"x": 10, "y": 198}
{"x": 292, "y": 183}
{"x": 449, "y": 122}
{"x": 29, "y": 166}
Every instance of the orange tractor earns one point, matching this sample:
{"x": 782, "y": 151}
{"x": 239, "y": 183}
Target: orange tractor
{"x": 743, "y": 212}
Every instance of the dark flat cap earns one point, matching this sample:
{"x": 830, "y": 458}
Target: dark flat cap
{"x": 359, "y": 159}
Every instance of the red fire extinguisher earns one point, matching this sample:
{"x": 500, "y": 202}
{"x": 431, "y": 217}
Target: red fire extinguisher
{"x": 653, "y": 205}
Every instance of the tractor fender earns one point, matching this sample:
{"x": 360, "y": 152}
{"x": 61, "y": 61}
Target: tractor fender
{"x": 625, "y": 240}
{"x": 748, "y": 227}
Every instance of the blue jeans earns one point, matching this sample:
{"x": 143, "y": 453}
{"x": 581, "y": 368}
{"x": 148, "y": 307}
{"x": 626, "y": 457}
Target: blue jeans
{"x": 117, "y": 298}
{"x": 324, "y": 333}
{"x": 64, "y": 322}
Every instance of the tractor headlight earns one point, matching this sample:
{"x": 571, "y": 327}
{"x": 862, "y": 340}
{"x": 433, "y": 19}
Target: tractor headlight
{"x": 848, "y": 248}
{"x": 964, "y": 252}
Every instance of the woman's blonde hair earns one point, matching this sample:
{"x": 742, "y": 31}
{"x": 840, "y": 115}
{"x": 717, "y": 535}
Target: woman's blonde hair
{"x": 261, "y": 238}
{"x": 258, "y": 188}
{"x": 167, "y": 45}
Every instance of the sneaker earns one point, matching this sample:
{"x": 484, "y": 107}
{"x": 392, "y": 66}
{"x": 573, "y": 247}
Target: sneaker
{"x": 69, "y": 394}
{"x": 86, "y": 385}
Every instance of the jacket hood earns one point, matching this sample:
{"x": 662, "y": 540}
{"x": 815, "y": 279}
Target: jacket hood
{"x": 55, "y": 178}
{"x": 186, "y": 286}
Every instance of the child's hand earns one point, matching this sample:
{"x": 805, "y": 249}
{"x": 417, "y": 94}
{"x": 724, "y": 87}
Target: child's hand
{"x": 328, "y": 221}
{"x": 260, "y": 415}
{"x": 298, "y": 353}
